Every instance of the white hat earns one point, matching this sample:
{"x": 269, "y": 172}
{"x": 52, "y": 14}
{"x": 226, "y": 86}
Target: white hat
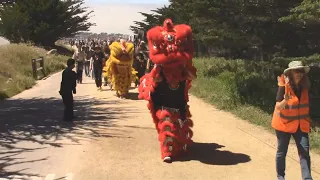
{"x": 296, "y": 65}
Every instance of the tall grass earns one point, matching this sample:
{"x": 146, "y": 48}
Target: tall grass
{"x": 15, "y": 67}
{"x": 246, "y": 88}
{"x": 65, "y": 45}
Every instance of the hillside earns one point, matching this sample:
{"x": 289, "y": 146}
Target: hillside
{"x": 16, "y": 70}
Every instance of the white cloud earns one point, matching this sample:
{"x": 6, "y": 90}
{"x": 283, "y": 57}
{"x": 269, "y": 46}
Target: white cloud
{"x": 116, "y": 18}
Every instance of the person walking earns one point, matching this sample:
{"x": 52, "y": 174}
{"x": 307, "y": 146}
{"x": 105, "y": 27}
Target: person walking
{"x": 91, "y": 66}
{"x": 106, "y": 82}
{"x": 139, "y": 64}
{"x": 67, "y": 89}
{"x": 80, "y": 59}
{"x": 87, "y": 62}
{"x": 291, "y": 117}
{"x": 106, "y": 51}
{"x": 98, "y": 66}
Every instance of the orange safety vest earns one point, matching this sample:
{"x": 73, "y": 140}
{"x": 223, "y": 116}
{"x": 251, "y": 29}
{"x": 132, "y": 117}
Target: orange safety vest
{"x": 295, "y": 114}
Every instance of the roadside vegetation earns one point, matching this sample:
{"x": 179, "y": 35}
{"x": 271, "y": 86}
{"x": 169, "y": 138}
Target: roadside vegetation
{"x": 248, "y": 89}
{"x": 36, "y": 27}
{"x": 16, "y": 70}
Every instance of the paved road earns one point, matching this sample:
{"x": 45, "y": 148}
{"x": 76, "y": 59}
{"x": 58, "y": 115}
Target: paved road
{"x": 115, "y": 140}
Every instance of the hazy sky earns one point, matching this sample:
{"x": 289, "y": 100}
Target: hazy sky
{"x": 115, "y": 16}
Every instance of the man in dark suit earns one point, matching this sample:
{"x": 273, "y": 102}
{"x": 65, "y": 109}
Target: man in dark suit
{"x": 67, "y": 89}
{"x": 98, "y": 62}
{"x": 139, "y": 64}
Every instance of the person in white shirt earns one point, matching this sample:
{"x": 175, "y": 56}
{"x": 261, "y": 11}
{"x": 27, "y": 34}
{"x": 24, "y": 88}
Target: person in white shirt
{"x": 80, "y": 58}
{"x": 87, "y": 62}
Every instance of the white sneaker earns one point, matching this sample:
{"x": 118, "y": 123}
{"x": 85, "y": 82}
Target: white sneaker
{"x": 167, "y": 159}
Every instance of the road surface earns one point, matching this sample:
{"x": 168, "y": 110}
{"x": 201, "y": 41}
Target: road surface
{"x": 115, "y": 139}
{"x": 3, "y": 41}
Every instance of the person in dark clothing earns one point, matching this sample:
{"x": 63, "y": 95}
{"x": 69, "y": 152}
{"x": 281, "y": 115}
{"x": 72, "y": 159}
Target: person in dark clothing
{"x": 104, "y": 64}
{"x": 106, "y": 51}
{"x": 150, "y": 66}
{"x": 92, "y": 44}
{"x": 169, "y": 98}
{"x": 139, "y": 64}
{"x": 98, "y": 61}
{"x": 166, "y": 96}
{"x": 87, "y": 63}
{"x": 67, "y": 89}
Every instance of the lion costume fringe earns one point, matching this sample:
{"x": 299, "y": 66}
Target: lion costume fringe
{"x": 166, "y": 86}
{"x": 118, "y": 68}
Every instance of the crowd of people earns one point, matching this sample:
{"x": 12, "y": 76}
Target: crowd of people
{"x": 89, "y": 59}
{"x": 165, "y": 85}
{"x": 91, "y": 56}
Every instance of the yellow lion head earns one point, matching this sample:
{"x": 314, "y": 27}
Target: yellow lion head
{"x": 121, "y": 52}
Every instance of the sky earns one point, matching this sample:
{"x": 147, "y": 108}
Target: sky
{"x": 115, "y": 16}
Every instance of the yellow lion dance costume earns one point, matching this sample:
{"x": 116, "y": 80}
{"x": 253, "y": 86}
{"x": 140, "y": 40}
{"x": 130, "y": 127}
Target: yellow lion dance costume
{"x": 118, "y": 68}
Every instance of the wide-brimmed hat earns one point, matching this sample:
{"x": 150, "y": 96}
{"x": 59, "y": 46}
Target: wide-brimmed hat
{"x": 296, "y": 65}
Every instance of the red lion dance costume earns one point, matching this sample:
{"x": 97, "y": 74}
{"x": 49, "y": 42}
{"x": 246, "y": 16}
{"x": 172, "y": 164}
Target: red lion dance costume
{"x": 166, "y": 86}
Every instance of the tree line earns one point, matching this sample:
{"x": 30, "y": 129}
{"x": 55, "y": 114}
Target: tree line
{"x": 42, "y": 22}
{"x": 247, "y": 29}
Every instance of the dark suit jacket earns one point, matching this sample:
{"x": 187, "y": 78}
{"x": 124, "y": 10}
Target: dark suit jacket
{"x": 69, "y": 82}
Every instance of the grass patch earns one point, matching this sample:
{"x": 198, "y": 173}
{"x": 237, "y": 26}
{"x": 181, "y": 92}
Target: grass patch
{"x": 244, "y": 88}
{"x": 16, "y": 70}
{"x": 64, "y": 48}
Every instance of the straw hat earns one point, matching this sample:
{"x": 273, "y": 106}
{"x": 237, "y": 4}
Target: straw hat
{"x": 296, "y": 65}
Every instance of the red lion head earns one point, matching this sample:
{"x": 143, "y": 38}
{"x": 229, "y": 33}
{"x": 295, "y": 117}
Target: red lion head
{"x": 170, "y": 45}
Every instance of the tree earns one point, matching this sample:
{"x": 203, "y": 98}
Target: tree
{"x": 152, "y": 19}
{"x": 306, "y": 19}
{"x": 306, "y": 13}
{"x": 43, "y": 22}
{"x": 7, "y": 2}
{"x": 246, "y": 29}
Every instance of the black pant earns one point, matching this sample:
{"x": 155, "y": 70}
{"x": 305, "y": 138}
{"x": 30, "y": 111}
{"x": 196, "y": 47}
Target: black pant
{"x": 98, "y": 76}
{"x": 79, "y": 75}
{"x": 87, "y": 68}
{"x": 68, "y": 106}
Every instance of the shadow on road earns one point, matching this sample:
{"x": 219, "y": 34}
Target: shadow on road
{"x": 11, "y": 157}
{"x": 133, "y": 96}
{"x": 39, "y": 121}
{"x": 208, "y": 153}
